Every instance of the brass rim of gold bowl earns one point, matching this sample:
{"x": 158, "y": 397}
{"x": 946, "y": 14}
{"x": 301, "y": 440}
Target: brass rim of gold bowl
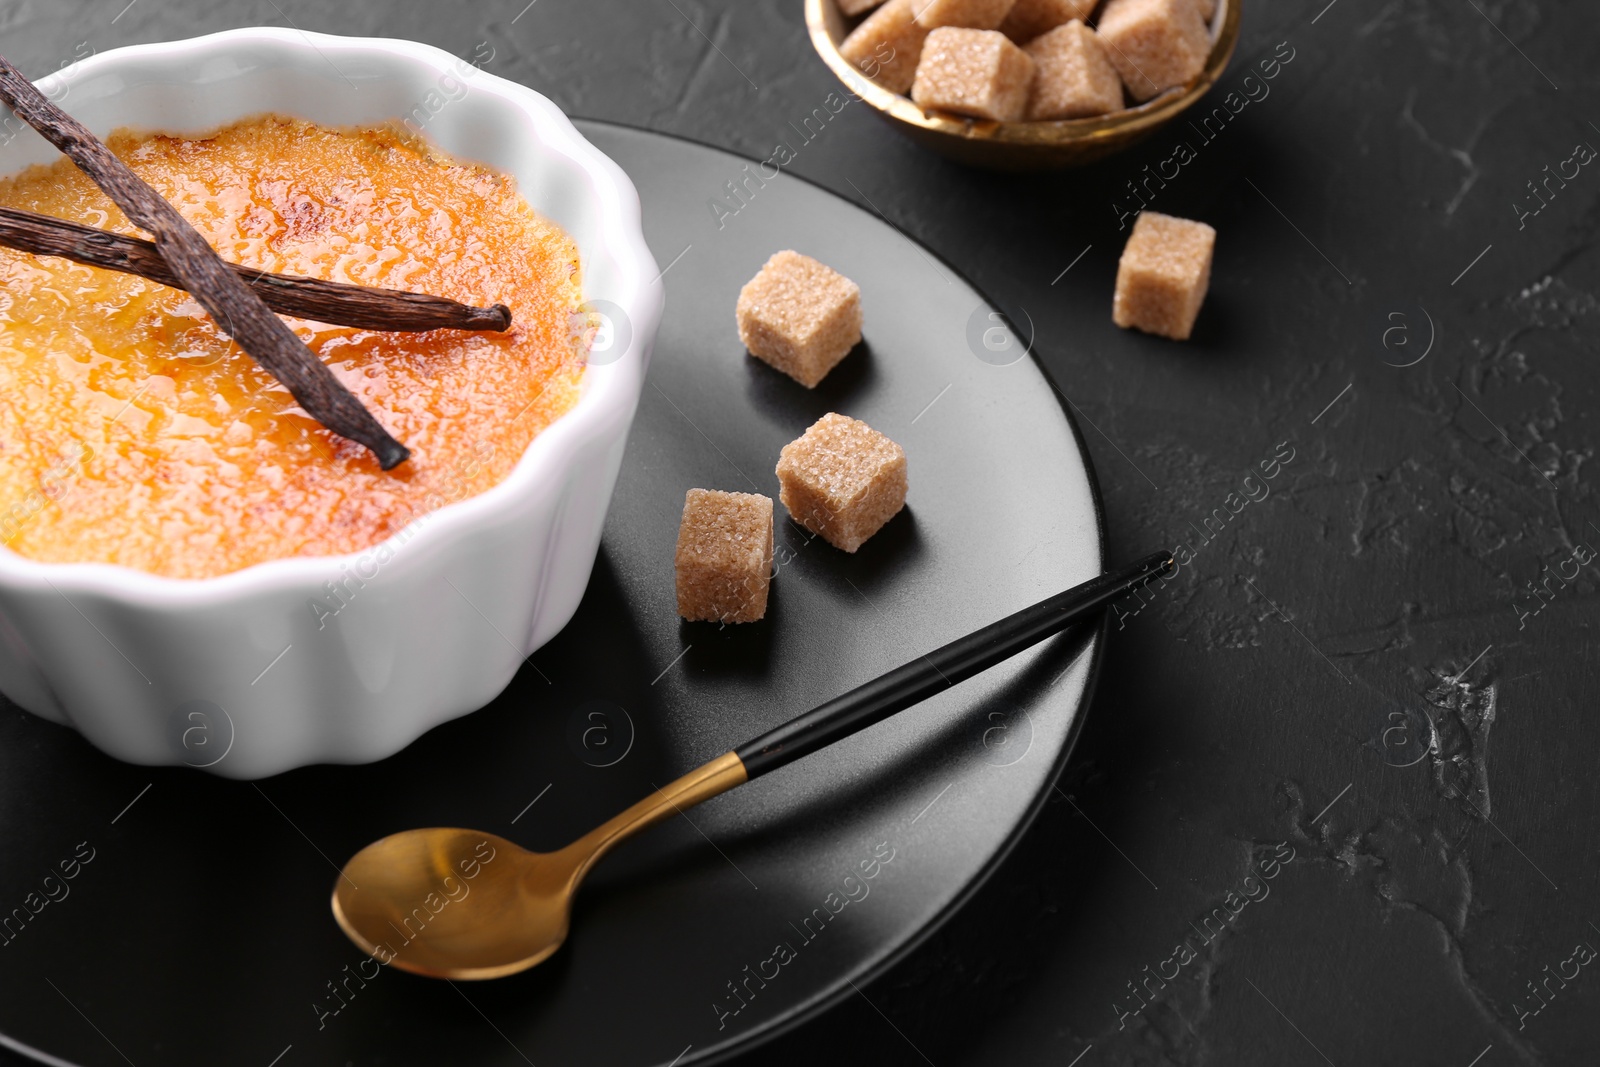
{"x": 1118, "y": 124}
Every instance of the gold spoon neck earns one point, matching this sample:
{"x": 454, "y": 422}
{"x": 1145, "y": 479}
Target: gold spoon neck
{"x": 704, "y": 782}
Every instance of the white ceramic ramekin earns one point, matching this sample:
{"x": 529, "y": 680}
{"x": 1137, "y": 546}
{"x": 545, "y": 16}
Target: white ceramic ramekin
{"x": 241, "y": 674}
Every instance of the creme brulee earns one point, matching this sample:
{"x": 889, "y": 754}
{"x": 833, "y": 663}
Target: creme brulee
{"x": 132, "y": 431}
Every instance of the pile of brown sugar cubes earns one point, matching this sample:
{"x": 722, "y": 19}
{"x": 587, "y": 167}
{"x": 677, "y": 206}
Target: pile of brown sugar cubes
{"x": 1015, "y": 60}
{"x": 841, "y": 479}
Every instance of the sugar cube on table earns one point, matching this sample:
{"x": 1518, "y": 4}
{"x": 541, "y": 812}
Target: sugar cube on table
{"x": 1029, "y": 18}
{"x": 972, "y": 14}
{"x": 800, "y": 316}
{"x": 977, "y": 73}
{"x": 1072, "y": 78}
{"x": 1154, "y": 44}
{"x": 887, "y": 45}
{"x": 1163, "y": 275}
{"x": 842, "y": 479}
{"x": 852, "y": 8}
{"x": 724, "y": 556}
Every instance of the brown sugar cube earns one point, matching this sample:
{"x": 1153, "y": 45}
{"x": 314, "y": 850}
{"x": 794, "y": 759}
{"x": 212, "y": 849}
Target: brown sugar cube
{"x": 1072, "y": 78}
{"x": 1154, "y": 44}
{"x": 724, "y": 557}
{"x": 1163, "y": 275}
{"x": 851, "y": 8}
{"x": 887, "y": 45}
{"x": 978, "y": 73}
{"x": 972, "y": 14}
{"x": 800, "y": 316}
{"x": 1029, "y": 18}
{"x": 1207, "y": 8}
{"x": 842, "y": 479}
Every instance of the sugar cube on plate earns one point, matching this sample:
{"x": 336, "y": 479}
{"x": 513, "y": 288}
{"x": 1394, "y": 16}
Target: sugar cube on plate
{"x": 1072, "y": 78}
{"x": 1154, "y": 44}
{"x": 724, "y": 556}
{"x": 842, "y": 479}
{"x": 1163, "y": 275}
{"x": 800, "y": 316}
{"x": 977, "y": 73}
{"x": 887, "y": 45}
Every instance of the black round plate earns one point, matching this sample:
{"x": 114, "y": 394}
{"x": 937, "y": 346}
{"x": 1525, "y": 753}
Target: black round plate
{"x": 196, "y": 928}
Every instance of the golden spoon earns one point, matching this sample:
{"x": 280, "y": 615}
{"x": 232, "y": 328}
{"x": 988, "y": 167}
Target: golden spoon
{"x": 452, "y": 903}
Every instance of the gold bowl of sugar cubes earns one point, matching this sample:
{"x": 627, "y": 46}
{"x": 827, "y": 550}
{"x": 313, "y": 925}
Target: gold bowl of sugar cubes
{"x": 1026, "y": 84}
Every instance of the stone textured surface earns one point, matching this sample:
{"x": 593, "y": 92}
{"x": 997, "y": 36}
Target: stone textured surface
{"x": 1351, "y": 663}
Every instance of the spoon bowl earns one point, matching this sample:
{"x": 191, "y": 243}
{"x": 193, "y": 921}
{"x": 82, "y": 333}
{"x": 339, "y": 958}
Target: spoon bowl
{"x": 453, "y": 903}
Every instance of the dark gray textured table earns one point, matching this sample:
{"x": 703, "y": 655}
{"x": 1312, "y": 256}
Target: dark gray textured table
{"x": 1352, "y": 669}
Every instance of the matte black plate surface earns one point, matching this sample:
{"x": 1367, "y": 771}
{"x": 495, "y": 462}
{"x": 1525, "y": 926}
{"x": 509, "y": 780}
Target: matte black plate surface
{"x": 198, "y": 929}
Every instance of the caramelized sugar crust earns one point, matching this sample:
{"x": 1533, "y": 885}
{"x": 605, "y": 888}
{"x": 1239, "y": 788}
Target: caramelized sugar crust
{"x": 132, "y": 431}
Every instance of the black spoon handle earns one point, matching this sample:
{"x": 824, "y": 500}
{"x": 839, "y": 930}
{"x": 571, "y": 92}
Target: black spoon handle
{"x": 941, "y": 669}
